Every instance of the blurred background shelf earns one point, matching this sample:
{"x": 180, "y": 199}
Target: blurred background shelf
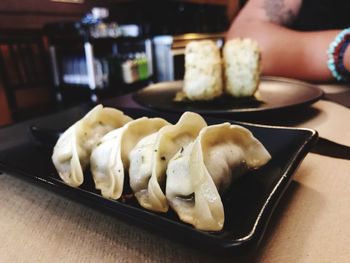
{"x": 69, "y": 62}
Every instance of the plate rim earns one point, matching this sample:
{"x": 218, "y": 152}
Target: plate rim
{"x": 319, "y": 94}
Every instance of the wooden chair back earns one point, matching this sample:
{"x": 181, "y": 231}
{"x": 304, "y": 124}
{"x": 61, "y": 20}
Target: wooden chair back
{"x": 25, "y": 69}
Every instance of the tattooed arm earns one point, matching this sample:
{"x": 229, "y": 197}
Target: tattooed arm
{"x": 282, "y": 12}
{"x": 285, "y": 52}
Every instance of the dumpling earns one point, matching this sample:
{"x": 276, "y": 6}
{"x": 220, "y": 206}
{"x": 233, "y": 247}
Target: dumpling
{"x": 109, "y": 160}
{"x": 203, "y": 169}
{"x": 149, "y": 159}
{"x": 71, "y": 154}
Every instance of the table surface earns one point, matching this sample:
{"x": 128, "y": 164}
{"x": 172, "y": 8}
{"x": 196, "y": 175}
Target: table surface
{"x": 310, "y": 224}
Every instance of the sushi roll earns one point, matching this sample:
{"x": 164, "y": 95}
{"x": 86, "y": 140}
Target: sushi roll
{"x": 242, "y": 61}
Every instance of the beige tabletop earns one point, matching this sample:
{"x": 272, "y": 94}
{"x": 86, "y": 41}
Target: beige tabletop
{"x": 310, "y": 224}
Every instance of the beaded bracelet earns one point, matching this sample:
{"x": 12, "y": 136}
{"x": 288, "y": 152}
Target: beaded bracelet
{"x": 336, "y": 52}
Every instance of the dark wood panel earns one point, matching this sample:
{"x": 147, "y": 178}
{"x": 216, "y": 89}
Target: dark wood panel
{"x": 15, "y": 14}
{"x": 210, "y": 2}
{"x": 30, "y": 21}
{"x": 47, "y": 6}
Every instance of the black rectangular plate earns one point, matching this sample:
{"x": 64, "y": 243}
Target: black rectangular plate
{"x": 248, "y": 204}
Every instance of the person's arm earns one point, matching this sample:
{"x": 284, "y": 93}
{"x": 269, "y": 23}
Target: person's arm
{"x": 285, "y": 52}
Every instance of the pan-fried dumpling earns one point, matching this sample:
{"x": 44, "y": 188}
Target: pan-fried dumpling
{"x": 71, "y": 154}
{"x": 149, "y": 159}
{"x": 206, "y": 167}
{"x": 109, "y": 160}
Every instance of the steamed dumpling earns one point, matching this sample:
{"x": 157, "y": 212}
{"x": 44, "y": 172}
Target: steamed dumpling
{"x": 109, "y": 160}
{"x": 203, "y": 169}
{"x": 71, "y": 154}
{"x": 149, "y": 159}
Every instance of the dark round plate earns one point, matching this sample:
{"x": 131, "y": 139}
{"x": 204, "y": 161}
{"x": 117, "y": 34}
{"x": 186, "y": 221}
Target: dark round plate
{"x": 274, "y": 94}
